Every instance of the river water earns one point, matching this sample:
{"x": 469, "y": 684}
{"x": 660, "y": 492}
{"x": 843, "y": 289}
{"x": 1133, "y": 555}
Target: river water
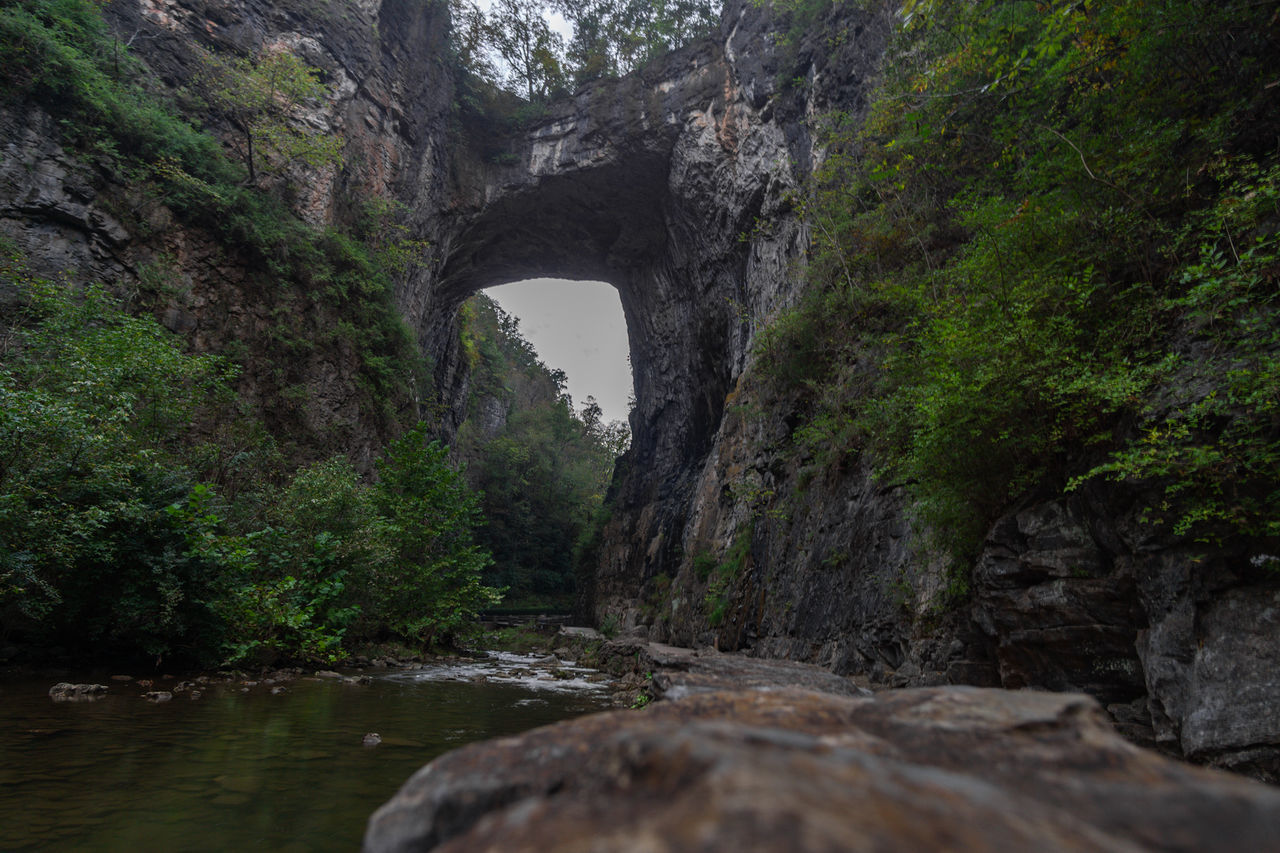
{"x": 249, "y": 770}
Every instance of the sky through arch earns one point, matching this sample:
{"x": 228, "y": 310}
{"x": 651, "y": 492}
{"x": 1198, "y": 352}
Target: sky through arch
{"x": 577, "y": 326}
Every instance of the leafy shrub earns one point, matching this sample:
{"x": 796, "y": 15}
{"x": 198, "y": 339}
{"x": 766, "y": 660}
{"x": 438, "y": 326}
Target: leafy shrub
{"x": 93, "y": 405}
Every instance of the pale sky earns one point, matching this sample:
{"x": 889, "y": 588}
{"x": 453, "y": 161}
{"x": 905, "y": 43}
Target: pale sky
{"x": 578, "y": 327}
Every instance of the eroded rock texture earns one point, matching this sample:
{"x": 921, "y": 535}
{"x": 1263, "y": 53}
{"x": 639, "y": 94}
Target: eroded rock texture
{"x": 788, "y": 769}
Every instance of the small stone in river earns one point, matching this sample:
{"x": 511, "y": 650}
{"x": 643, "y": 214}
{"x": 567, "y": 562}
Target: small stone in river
{"x": 158, "y": 696}
{"x": 66, "y": 692}
{"x": 327, "y": 673}
{"x": 276, "y": 691}
{"x": 122, "y": 678}
{"x": 194, "y": 694}
{"x": 371, "y": 739}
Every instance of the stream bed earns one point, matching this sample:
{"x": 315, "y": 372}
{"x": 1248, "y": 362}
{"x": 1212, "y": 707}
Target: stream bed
{"x": 252, "y": 770}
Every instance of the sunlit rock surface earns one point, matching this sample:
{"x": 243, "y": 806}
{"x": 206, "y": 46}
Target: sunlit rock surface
{"x": 790, "y": 769}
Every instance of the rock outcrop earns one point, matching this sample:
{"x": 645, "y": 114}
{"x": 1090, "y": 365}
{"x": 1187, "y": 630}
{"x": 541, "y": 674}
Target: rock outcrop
{"x": 65, "y": 691}
{"x": 789, "y": 769}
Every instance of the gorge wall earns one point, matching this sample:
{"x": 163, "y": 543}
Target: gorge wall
{"x": 675, "y": 185}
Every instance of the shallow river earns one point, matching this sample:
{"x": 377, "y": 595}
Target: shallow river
{"x": 246, "y": 771}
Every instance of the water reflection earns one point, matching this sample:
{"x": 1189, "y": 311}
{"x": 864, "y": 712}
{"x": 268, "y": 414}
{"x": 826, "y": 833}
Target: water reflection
{"x": 239, "y": 770}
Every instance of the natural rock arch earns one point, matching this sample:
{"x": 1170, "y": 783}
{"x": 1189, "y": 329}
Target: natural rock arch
{"x": 674, "y": 185}
{"x": 601, "y": 190}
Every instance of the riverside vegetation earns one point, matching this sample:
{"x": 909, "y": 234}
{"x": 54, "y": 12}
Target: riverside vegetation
{"x": 1049, "y": 257}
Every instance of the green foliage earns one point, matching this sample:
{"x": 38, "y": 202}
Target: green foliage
{"x": 93, "y": 404}
{"x": 543, "y": 469}
{"x": 512, "y": 50}
{"x": 704, "y": 561}
{"x": 436, "y": 584}
{"x": 111, "y": 535}
{"x": 61, "y": 53}
{"x": 613, "y": 37}
{"x": 516, "y": 638}
{"x": 725, "y": 573}
{"x": 1216, "y": 454}
{"x": 1058, "y": 220}
{"x": 259, "y": 96}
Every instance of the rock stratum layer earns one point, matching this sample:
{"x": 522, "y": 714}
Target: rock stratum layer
{"x": 955, "y": 768}
{"x": 675, "y": 185}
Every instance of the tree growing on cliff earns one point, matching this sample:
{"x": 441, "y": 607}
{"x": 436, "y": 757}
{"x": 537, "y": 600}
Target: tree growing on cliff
{"x": 612, "y": 37}
{"x": 528, "y": 46}
{"x": 259, "y": 97}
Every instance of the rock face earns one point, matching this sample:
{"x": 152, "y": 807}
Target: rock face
{"x": 789, "y": 769}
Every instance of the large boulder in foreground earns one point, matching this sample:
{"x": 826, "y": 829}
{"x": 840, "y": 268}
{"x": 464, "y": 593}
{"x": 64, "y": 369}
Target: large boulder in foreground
{"x": 790, "y": 769}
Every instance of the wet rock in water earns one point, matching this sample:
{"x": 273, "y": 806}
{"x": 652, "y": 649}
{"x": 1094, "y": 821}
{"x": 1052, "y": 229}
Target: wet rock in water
{"x": 792, "y": 769}
{"x": 276, "y": 691}
{"x": 194, "y": 695}
{"x": 158, "y": 696}
{"x": 327, "y": 673}
{"x": 371, "y": 739}
{"x": 359, "y": 680}
{"x": 64, "y": 691}
{"x": 122, "y": 678}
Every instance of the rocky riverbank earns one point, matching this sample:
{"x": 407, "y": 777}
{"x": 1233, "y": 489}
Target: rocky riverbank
{"x": 540, "y": 662}
{"x": 746, "y": 754}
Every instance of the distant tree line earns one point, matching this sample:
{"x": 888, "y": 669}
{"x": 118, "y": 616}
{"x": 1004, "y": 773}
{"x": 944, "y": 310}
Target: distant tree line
{"x": 513, "y": 46}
